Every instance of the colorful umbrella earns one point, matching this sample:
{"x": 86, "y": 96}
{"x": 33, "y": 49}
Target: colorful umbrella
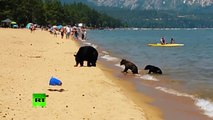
{"x": 13, "y": 22}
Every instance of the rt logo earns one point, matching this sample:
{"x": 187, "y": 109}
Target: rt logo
{"x": 39, "y": 100}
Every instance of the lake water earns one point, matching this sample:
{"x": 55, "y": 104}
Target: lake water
{"x": 190, "y": 65}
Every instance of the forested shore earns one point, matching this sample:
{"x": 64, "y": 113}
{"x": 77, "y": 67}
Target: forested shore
{"x": 53, "y": 12}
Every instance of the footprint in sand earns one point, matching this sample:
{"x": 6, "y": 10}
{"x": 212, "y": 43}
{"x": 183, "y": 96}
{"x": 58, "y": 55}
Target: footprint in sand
{"x": 38, "y": 56}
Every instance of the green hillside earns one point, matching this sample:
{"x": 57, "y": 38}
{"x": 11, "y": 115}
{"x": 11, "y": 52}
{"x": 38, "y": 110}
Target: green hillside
{"x": 45, "y": 12}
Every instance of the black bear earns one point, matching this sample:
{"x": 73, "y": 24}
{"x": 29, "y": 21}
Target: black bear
{"x": 153, "y": 69}
{"x": 129, "y": 65}
{"x": 86, "y": 53}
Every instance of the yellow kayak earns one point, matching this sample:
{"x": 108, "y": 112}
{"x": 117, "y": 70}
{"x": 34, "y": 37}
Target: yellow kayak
{"x": 165, "y": 45}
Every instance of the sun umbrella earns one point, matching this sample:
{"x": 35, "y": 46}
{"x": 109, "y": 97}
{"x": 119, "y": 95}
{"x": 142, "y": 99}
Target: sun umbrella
{"x": 59, "y": 27}
{"x": 6, "y": 21}
{"x": 13, "y": 22}
{"x": 28, "y": 25}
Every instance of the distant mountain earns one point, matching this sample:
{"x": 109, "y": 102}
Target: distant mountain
{"x": 154, "y": 4}
{"x": 180, "y": 5}
{"x": 156, "y": 13}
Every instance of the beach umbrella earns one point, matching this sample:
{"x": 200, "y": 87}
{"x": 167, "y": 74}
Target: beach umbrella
{"x": 6, "y": 21}
{"x": 28, "y": 25}
{"x": 59, "y": 27}
{"x": 13, "y": 22}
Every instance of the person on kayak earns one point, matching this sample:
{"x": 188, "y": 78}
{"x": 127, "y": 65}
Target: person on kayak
{"x": 162, "y": 41}
{"x": 172, "y": 41}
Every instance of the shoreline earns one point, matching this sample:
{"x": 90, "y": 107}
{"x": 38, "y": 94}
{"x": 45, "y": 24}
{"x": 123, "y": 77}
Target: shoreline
{"x": 167, "y": 106}
{"x": 30, "y": 59}
{"x": 185, "y": 105}
{"x": 143, "y": 101}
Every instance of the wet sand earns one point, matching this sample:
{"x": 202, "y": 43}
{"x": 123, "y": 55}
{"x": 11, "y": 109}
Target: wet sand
{"x": 29, "y": 60}
{"x": 169, "y": 107}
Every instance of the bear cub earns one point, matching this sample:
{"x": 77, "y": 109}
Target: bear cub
{"x": 153, "y": 69}
{"x": 129, "y": 65}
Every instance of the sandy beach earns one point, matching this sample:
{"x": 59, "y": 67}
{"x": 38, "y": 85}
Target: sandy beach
{"x": 29, "y": 60}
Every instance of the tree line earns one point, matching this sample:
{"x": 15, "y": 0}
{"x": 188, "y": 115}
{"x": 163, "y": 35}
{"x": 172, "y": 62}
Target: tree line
{"x": 53, "y": 12}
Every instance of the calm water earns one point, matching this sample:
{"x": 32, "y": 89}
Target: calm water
{"x": 191, "y": 65}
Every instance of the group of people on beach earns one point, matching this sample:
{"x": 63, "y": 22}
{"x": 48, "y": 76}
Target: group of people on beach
{"x": 76, "y": 32}
{"x": 163, "y": 41}
{"x": 67, "y": 31}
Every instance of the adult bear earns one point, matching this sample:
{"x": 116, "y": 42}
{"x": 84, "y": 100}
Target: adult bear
{"x": 153, "y": 69}
{"x": 129, "y": 65}
{"x": 86, "y": 53}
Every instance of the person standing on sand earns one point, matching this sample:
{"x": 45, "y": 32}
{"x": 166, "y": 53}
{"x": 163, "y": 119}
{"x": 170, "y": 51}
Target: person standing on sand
{"x": 31, "y": 28}
{"x": 62, "y": 32}
{"x": 67, "y": 32}
{"x": 83, "y": 33}
{"x": 55, "y": 32}
{"x": 75, "y": 32}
